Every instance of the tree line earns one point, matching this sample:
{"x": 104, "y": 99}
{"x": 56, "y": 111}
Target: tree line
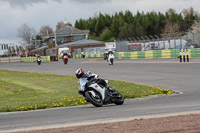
{"x": 126, "y": 24}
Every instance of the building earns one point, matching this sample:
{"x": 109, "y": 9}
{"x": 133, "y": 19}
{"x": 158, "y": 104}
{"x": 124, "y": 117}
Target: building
{"x": 78, "y": 46}
{"x": 63, "y": 35}
{"x": 67, "y": 34}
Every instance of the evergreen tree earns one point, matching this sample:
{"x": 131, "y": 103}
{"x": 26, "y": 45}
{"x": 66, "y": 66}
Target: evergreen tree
{"x": 107, "y": 35}
{"x": 125, "y": 24}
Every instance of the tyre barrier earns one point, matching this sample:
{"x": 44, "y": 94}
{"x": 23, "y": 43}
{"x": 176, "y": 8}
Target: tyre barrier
{"x": 34, "y": 59}
{"x": 153, "y": 54}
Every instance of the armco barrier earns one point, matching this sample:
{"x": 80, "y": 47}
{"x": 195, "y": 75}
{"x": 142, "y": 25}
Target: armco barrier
{"x": 153, "y": 54}
{"x": 34, "y": 59}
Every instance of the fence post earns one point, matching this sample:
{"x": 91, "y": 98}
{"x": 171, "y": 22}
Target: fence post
{"x": 180, "y": 55}
{"x": 187, "y": 55}
{"x": 183, "y": 55}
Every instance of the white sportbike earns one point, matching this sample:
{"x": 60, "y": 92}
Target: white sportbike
{"x": 97, "y": 94}
{"x": 110, "y": 59}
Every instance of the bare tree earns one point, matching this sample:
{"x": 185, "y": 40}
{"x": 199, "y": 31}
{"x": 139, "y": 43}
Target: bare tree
{"x": 170, "y": 28}
{"x": 190, "y": 10}
{"x": 62, "y": 24}
{"x": 45, "y": 30}
{"x": 26, "y": 33}
{"x": 171, "y": 11}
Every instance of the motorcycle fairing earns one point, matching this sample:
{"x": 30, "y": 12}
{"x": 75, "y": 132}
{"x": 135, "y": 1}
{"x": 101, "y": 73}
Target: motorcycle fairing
{"x": 96, "y": 87}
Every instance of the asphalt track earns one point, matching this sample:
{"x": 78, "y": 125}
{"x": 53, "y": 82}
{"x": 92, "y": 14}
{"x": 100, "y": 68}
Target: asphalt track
{"x": 184, "y": 78}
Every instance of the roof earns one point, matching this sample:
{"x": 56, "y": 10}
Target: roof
{"x": 81, "y": 43}
{"x": 40, "y": 48}
{"x": 69, "y": 30}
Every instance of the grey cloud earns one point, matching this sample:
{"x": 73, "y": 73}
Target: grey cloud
{"x": 90, "y": 1}
{"x": 24, "y": 4}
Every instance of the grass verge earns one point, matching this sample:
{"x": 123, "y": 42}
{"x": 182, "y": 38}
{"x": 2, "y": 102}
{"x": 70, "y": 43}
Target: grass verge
{"x": 21, "y": 91}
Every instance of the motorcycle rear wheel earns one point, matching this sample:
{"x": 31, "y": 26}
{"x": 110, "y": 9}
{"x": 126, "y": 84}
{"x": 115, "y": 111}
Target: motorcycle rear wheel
{"x": 96, "y": 101}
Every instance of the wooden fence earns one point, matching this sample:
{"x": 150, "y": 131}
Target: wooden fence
{"x": 10, "y": 59}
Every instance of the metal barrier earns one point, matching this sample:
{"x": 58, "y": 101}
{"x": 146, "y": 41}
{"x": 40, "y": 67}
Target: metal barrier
{"x": 163, "y": 42}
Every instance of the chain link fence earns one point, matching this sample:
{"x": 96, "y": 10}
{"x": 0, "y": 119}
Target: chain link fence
{"x": 148, "y": 43}
{"x": 97, "y": 50}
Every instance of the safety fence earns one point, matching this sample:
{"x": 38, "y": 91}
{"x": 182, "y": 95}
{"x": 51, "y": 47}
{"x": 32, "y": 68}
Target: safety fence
{"x": 173, "y": 53}
{"x": 34, "y": 59}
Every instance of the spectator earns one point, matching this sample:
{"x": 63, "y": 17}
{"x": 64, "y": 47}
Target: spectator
{"x": 22, "y": 54}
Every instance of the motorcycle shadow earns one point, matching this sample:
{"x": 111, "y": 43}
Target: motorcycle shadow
{"x": 104, "y": 106}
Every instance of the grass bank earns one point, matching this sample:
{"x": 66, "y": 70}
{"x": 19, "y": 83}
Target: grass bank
{"x": 20, "y": 91}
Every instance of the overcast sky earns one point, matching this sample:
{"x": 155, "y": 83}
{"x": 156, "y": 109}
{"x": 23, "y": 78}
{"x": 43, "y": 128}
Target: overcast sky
{"x": 37, "y": 13}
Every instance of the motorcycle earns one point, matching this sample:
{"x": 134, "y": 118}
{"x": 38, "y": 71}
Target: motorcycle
{"x": 65, "y": 59}
{"x": 110, "y": 59}
{"x": 97, "y": 94}
{"x": 39, "y": 60}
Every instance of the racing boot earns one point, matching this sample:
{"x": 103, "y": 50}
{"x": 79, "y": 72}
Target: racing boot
{"x": 109, "y": 88}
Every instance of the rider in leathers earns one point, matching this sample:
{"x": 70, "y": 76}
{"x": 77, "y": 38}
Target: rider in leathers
{"x": 110, "y": 56}
{"x": 91, "y": 77}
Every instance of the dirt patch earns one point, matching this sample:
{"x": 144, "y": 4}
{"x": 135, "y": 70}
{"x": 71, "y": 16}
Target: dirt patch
{"x": 182, "y": 124}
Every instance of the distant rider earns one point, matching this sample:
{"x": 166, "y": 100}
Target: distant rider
{"x": 39, "y": 59}
{"x": 110, "y": 56}
{"x": 65, "y": 54}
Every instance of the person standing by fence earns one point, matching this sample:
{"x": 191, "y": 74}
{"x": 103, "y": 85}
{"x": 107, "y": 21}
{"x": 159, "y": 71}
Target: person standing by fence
{"x": 22, "y": 54}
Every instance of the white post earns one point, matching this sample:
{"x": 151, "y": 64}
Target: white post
{"x": 55, "y": 39}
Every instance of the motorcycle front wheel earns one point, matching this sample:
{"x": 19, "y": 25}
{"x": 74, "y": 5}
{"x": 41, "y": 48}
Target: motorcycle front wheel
{"x": 39, "y": 62}
{"x": 65, "y": 61}
{"x": 119, "y": 100}
{"x": 111, "y": 60}
{"x": 96, "y": 101}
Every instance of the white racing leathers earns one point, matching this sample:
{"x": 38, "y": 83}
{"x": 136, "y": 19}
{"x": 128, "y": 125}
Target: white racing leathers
{"x": 110, "y": 59}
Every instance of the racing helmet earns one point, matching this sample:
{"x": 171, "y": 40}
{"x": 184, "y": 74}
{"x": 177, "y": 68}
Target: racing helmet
{"x": 79, "y": 73}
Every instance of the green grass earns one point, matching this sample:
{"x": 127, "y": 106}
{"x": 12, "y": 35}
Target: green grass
{"x": 20, "y": 91}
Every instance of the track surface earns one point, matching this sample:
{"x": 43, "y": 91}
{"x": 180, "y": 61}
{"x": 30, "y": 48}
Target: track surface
{"x": 181, "y": 77}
